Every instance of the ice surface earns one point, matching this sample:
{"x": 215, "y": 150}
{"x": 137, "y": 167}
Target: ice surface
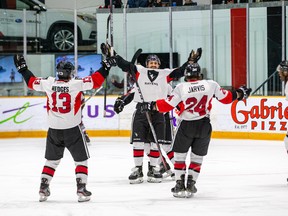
{"x": 238, "y": 177}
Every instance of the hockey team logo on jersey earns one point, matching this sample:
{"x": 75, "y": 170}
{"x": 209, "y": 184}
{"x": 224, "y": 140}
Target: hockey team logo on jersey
{"x": 152, "y": 75}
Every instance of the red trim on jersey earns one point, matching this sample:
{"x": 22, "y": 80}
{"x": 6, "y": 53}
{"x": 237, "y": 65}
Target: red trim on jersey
{"x": 163, "y": 106}
{"x": 98, "y": 79}
{"x": 195, "y": 166}
{"x": 138, "y": 153}
{"x": 137, "y": 75}
{"x": 48, "y": 171}
{"x": 81, "y": 169}
{"x": 228, "y": 99}
{"x": 31, "y": 81}
{"x": 78, "y": 102}
{"x": 179, "y": 165}
{"x": 169, "y": 79}
{"x": 154, "y": 153}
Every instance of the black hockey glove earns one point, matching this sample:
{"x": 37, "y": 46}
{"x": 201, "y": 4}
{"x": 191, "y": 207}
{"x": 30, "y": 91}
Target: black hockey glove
{"x": 195, "y": 56}
{"x": 244, "y": 92}
{"x": 119, "y": 105}
{"x": 148, "y": 107}
{"x": 20, "y": 63}
{"x": 109, "y": 62}
{"x": 106, "y": 50}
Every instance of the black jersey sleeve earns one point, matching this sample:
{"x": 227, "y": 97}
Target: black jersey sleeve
{"x": 178, "y": 72}
{"x": 27, "y": 74}
{"x": 126, "y": 66}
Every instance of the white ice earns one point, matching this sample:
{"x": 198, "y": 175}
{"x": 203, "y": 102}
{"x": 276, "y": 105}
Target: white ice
{"x": 238, "y": 177}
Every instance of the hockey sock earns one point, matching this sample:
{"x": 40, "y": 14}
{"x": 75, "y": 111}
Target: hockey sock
{"x": 138, "y": 153}
{"x": 154, "y": 155}
{"x": 168, "y": 150}
{"x": 195, "y": 165}
{"x": 179, "y": 165}
{"x": 81, "y": 170}
{"x": 49, "y": 169}
{"x": 147, "y": 147}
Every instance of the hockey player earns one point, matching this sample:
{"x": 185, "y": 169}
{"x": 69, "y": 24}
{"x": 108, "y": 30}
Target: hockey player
{"x": 149, "y": 147}
{"x": 64, "y": 117}
{"x": 153, "y": 84}
{"x": 283, "y": 74}
{"x": 194, "y": 129}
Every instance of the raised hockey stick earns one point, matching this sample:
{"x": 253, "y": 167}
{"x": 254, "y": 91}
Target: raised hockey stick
{"x": 148, "y": 118}
{"x": 109, "y": 21}
{"x": 92, "y": 95}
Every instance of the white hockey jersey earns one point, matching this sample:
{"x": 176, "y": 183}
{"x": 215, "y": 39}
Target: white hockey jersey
{"x": 195, "y": 98}
{"x": 64, "y": 98}
{"x": 153, "y": 84}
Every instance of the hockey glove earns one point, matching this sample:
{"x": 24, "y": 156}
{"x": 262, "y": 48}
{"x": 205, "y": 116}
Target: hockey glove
{"x": 119, "y": 105}
{"x": 195, "y": 56}
{"x": 244, "y": 92}
{"x": 148, "y": 107}
{"x": 20, "y": 63}
{"x": 106, "y": 50}
{"x": 109, "y": 62}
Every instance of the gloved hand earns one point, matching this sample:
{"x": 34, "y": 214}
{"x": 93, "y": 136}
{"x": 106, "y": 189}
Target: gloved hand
{"x": 244, "y": 92}
{"x": 20, "y": 63}
{"x": 106, "y": 50}
{"x": 148, "y": 106}
{"x": 119, "y": 105}
{"x": 109, "y": 62}
{"x": 195, "y": 56}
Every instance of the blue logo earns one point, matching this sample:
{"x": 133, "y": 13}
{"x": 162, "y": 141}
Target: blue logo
{"x": 18, "y": 20}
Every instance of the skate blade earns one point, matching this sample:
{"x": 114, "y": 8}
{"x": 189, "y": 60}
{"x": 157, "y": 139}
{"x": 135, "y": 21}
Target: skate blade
{"x": 137, "y": 181}
{"x": 154, "y": 180}
{"x": 189, "y": 194}
{"x": 82, "y": 198}
{"x": 180, "y": 194}
{"x": 43, "y": 198}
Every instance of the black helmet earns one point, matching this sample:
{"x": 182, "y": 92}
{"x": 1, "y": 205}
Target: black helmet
{"x": 192, "y": 70}
{"x": 152, "y": 57}
{"x": 64, "y": 70}
{"x": 284, "y": 65}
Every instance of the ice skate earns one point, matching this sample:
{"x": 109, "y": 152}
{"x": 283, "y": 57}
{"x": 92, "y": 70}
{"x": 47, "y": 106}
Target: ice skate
{"x": 136, "y": 176}
{"x": 154, "y": 175}
{"x": 179, "y": 189}
{"x": 190, "y": 188}
{"x": 44, "y": 191}
{"x": 167, "y": 173}
{"x": 83, "y": 194}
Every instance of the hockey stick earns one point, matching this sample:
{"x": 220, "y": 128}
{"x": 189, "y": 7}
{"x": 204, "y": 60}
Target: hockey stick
{"x": 107, "y": 42}
{"x": 148, "y": 118}
{"x": 92, "y": 95}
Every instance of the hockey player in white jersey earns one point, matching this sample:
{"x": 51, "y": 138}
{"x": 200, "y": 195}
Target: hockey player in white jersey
{"x": 64, "y": 118}
{"x": 282, "y": 69}
{"x": 194, "y": 129}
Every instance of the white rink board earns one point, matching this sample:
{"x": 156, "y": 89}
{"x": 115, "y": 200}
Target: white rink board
{"x": 257, "y": 114}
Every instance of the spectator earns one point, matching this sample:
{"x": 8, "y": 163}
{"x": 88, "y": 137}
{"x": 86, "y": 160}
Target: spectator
{"x": 189, "y": 2}
{"x": 116, "y": 3}
{"x": 137, "y": 3}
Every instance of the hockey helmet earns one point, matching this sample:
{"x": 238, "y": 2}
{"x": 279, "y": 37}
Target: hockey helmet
{"x": 64, "y": 70}
{"x": 284, "y": 65}
{"x": 152, "y": 57}
{"x": 192, "y": 70}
